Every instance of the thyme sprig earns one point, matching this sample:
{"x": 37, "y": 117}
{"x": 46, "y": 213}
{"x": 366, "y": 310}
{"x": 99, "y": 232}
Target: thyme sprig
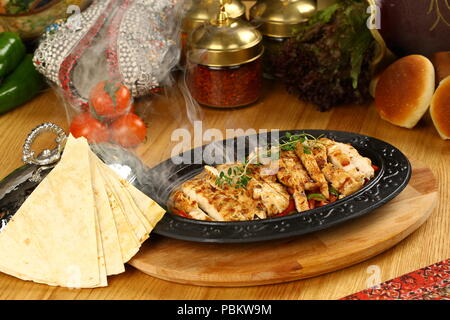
{"x": 306, "y": 139}
{"x": 238, "y": 176}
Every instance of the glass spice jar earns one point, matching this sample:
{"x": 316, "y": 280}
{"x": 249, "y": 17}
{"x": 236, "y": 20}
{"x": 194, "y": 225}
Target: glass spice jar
{"x": 229, "y": 87}
{"x": 272, "y": 49}
{"x": 277, "y": 21}
{"x": 200, "y": 11}
{"x": 224, "y": 68}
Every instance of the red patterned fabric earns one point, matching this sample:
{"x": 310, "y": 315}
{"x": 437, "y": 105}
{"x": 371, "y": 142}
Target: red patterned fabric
{"x": 429, "y": 283}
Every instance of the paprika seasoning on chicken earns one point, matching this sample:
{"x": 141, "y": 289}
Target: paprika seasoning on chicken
{"x": 224, "y": 68}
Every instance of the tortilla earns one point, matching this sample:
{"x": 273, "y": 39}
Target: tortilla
{"x": 140, "y": 230}
{"x": 120, "y": 188}
{"x": 123, "y": 191}
{"x": 108, "y": 230}
{"x": 19, "y": 226}
{"x": 81, "y": 224}
{"x": 100, "y": 254}
{"x": 52, "y": 237}
{"x": 152, "y": 212}
{"x": 129, "y": 243}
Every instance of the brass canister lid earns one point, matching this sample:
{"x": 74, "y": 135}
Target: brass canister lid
{"x": 201, "y": 11}
{"x": 225, "y": 41}
{"x": 278, "y": 18}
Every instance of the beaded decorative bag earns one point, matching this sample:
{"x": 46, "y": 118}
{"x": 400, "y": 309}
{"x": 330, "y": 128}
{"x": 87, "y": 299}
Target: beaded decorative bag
{"x": 133, "y": 41}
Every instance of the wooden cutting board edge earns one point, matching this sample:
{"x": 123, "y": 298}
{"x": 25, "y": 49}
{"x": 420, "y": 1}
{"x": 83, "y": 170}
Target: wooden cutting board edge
{"x": 150, "y": 259}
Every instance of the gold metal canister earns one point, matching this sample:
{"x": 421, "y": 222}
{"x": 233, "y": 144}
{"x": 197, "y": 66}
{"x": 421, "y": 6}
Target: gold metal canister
{"x": 226, "y": 42}
{"x": 201, "y": 11}
{"x": 224, "y": 68}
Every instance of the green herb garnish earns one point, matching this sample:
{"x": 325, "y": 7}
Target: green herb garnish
{"x": 239, "y": 176}
{"x": 308, "y": 141}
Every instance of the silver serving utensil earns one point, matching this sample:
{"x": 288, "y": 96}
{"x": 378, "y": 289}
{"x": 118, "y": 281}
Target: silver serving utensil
{"x": 47, "y": 158}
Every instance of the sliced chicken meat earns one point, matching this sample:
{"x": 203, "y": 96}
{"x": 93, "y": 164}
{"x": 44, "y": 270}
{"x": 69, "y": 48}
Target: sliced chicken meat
{"x": 273, "y": 195}
{"x": 313, "y": 167}
{"x": 189, "y": 206}
{"x": 341, "y": 180}
{"x": 310, "y": 163}
{"x": 252, "y": 208}
{"x": 346, "y": 157}
{"x": 294, "y": 176}
{"x": 320, "y": 154}
{"x": 217, "y": 203}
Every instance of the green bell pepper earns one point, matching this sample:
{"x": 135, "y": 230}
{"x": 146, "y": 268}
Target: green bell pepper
{"x": 21, "y": 85}
{"x": 12, "y": 51}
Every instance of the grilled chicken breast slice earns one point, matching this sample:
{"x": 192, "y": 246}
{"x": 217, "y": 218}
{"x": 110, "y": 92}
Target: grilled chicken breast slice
{"x": 189, "y": 206}
{"x": 217, "y": 203}
{"x": 341, "y": 180}
{"x": 293, "y": 175}
{"x": 252, "y": 208}
{"x": 273, "y": 195}
{"x": 310, "y": 163}
{"x": 346, "y": 157}
{"x": 320, "y": 154}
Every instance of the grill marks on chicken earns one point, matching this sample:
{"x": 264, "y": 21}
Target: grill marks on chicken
{"x": 311, "y": 168}
{"x": 293, "y": 175}
{"x": 189, "y": 206}
{"x": 251, "y": 207}
{"x": 217, "y": 203}
{"x": 347, "y": 170}
{"x": 309, "y": 161}
{"x": 264, "y": 187}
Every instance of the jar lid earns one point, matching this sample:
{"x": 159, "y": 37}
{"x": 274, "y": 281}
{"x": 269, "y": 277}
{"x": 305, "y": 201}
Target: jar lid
{"x": 278, "y": 18}
{"x": 225, "y": 41}
{"x": 202, "y": 11}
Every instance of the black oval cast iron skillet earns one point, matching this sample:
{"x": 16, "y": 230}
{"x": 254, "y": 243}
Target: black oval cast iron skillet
{"x": 390, "y": 180}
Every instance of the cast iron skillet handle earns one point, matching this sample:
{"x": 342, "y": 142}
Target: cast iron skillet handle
{"x": 47, "y": 157}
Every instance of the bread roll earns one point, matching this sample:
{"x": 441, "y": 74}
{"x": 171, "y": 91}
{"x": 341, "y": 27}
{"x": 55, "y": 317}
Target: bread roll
{"x": 404, "y": 91}
{"x": 441, "y": 61}
{"x": 440, "y": 109}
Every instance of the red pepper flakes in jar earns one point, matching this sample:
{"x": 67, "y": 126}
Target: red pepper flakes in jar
{"x": 226, "y": 86}
{"x": 225, "y": 63}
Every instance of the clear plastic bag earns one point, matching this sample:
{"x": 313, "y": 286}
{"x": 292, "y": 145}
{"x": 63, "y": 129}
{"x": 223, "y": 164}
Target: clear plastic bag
{"x": 114, "y": 67}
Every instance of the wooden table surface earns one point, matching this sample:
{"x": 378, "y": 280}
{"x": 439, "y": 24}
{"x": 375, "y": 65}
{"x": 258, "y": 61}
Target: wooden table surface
{"x": 276, "y": 110}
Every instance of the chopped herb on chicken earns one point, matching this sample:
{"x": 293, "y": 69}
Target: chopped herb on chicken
{"x": 328, "y": 62}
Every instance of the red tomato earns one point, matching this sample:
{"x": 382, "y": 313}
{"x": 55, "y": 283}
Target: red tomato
{"x": 110, "y": 99}
{"x": 84, "y": 125}
{"x": 128, "y": 130}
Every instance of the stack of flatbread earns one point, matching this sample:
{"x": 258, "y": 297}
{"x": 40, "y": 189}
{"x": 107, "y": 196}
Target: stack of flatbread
{"x": 81, "y": 224}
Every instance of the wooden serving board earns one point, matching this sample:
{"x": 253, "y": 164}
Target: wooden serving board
{"x": 235, "y": 265}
